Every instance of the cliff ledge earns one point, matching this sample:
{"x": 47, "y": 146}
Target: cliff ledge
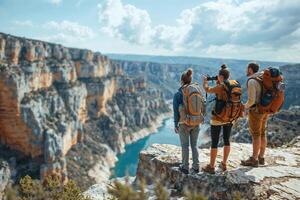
{"x": 279, "y": 179}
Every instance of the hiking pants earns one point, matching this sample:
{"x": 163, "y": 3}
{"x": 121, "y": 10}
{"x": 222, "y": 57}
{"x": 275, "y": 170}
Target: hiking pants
{"x": 257, "y": 123}
{"x": 215, "y": 134}
{"x": 189, "y": 135}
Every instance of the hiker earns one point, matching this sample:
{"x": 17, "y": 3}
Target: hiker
{"x": 259, "y": 106}
{"x": 227, "y": 109}
{"x": 188, "y": 106}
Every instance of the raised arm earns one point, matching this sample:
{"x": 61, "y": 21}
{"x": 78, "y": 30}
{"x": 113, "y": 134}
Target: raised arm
{"x": 208, "y": 89}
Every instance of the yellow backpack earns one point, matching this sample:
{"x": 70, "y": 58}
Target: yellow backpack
{"x": 193, "y": 110}
{"x": 230, "y": 108}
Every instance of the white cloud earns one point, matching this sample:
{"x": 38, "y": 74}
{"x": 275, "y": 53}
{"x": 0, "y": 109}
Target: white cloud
{"x": 67, "y": 32}
{"x": 215, "y": 26}
{"x": 125, "y": 21}
{"x": 73, "y": 29}
{"x": 56, "y": 2}
{"x": 23, "y": 23}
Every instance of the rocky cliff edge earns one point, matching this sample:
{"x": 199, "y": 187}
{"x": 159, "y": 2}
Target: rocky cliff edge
{"x": 279, "y": 179}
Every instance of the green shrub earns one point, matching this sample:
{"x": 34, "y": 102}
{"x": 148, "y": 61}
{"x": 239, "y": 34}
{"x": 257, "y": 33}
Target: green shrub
{"x": 124, "y": 191}
{"x": 194, "y": 196}
{"x": 120, "y": 191}
{"x": 51, "y": 189}
{"x": 160, "y": 192}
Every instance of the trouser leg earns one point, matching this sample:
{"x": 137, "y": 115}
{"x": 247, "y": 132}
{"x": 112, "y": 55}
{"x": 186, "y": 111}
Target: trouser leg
{"x": 184, "y": 140}
{"x": 193, "y": 140}
{"x": 215, "y": 134}
{"x": 255, "y": 125}
{"x": 263, "y": 137}
{"x": 226, "y": 139}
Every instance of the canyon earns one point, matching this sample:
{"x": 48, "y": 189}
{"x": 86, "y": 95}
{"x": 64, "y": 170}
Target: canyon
{"x": 69, "y": 112}
{"x": 58, "y": 102}
{"x": 277, "y": 180}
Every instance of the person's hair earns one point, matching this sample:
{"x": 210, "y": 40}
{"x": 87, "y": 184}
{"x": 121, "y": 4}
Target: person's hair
{"x": 224, "y": 72}
{"x": 254, "y": 67}
{"x": 186, "y": 77}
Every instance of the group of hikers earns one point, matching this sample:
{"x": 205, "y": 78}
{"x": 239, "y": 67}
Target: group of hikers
{"x": 265, "y": 91}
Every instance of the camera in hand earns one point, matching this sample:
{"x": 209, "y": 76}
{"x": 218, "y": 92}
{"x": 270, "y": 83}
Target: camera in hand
{"x": 211, "y": 78}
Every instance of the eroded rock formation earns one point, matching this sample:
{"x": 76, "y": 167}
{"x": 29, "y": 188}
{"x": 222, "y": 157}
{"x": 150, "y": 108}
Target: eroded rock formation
{"x": 4, "y": 176}
{"x": 50, "y": 94}
{"x": 279, "y": 179}
{"x": 291, "y": 75}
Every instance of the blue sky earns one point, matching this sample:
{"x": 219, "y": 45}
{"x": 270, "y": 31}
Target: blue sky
{"x": 242, "y": 29}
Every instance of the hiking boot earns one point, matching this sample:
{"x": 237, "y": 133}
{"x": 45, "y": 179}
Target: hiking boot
{"x": 261, "y": 161}
{"x": 185, "y": 171}
{"x": 194, "y": 171}
{"x": 223, "y": 166}
{"x": 250, "y": 162}
{"x": 209, "y": 169}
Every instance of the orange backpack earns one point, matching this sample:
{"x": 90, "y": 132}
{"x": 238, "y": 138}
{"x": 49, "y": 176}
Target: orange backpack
{"x": 230, "y": 108}
{"x": 272, "y": 91}
{"x": 193, "y": 110}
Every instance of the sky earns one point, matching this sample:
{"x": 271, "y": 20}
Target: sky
{"x": 240, "y": 29}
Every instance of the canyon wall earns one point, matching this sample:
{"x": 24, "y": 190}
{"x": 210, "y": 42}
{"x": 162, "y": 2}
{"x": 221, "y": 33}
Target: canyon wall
{"x": 165, "y": 71}
{"x": 291, "y": 75}
{"x": 51, "y": 96}
{"x": 163, "y": 75}
{"x": 4, "y": 177}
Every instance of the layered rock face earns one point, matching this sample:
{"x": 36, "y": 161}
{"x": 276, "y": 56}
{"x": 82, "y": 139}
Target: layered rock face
{"x": 127, "y": 114}
{"x": 291, "y": 75}
{"x": 165, "y": 76}
{"x": 4, "y": 176}
{"x": 50, "y": 93}
{"x": 279, "y": 179}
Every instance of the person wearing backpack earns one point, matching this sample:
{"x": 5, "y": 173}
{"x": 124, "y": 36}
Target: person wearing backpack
{"x": 227, "y": 109}
{"x": 265, "y": 97}
{"x": 189, "y": 108}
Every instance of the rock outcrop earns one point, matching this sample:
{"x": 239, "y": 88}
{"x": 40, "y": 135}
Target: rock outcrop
{"x": 4, "y": 176}
{"x": 278, "y": 179}
{"x": 50, "y": 96}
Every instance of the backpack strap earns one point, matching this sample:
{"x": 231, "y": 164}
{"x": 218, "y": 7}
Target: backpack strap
{"x": 185, "y": 97}
{"x": 228, "y": 89}
{"x": 259, "y": 80}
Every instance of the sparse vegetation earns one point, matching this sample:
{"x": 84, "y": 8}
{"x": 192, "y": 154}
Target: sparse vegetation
{"x": 51, "y": 189}
{"x": 160, "y": 192}
{"x": 194, "y": 196}
{"x": 124, "y": 191}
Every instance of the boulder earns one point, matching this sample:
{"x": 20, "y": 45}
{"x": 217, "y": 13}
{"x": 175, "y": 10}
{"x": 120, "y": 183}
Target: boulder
{"x": 4, "y": 176}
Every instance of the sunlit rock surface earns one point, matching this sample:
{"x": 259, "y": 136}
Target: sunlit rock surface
{"x": 279, "y": 179}
{"x": 4, "y": 176}
{"x": 52, "y": 97}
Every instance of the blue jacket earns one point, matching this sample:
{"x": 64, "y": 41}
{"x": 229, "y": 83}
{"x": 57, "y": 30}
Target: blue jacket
{"x": 177, "y": 100}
